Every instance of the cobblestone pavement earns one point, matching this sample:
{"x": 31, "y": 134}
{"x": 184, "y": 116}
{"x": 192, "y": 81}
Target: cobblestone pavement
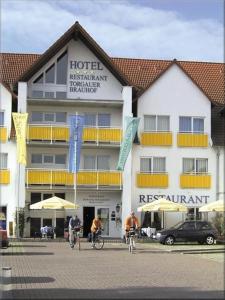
{"x": 52, "y": 270}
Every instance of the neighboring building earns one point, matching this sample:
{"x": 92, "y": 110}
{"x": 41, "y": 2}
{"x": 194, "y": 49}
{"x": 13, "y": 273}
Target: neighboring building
{"x": 8, "y": 165}
{"x": 178, "y": 151}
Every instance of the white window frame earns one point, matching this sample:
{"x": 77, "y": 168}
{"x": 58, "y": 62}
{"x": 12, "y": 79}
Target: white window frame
{"x": 5, "y": 158}
{"x": 156, "y": 123}
{"x": 3, "y": 112}
{"x": 46, "y": 163}
{"x": 192, "y": 125}
{"x": 96, "y": 162}
{"x": 48, "y": 122}
{"x": 195, "y": 165}
{"x": 151, "y": 158}
{"x": 97, "y": 119}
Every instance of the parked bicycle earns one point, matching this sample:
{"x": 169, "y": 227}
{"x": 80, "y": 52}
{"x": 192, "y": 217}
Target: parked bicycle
{"x": 98, "y": 241}
{"x": 77, "y": 234}
{"x": 132, "y": 234}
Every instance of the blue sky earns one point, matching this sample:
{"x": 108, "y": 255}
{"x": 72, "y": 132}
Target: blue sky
{"x": 152, "y": 29}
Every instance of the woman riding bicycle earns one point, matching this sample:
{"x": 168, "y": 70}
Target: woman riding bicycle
{"x": 96, "y": 227}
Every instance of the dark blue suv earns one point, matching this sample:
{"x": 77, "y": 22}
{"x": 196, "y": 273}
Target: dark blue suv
{"x": 198, "y": 231}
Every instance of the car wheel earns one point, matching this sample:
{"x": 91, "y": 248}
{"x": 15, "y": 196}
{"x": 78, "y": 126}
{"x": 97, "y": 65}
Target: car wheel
{"x": 209, "y": 240}
{"x": 169, "y": 240}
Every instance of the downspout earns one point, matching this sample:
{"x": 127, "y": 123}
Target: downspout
{"x": 217, "y": 172}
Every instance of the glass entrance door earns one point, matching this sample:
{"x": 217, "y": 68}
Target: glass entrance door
{"x": 104, "y": 215}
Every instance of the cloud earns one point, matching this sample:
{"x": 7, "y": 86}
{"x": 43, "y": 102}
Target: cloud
{"x": 121, "y": 28}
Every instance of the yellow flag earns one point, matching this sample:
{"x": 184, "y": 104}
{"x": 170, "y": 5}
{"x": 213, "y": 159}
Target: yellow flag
{"x": 20, "y": 122}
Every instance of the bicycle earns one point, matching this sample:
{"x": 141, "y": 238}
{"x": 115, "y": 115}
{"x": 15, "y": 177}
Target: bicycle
{"x": 131, "y": 239}
{"x": 76, "y": 240}
{"x": 98, "y": 242}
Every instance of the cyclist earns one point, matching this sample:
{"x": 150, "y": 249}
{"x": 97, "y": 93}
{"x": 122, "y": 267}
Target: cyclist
{"x": 95, "y": 227}
{"x": 74, "y": 225}
{"x": 131, "y": 222}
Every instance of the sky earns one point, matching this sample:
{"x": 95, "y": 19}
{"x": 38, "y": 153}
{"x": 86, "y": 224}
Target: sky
{"x": 191, "y": 30}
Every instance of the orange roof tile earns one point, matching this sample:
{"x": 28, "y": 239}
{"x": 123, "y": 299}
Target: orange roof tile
{"x": 140, "y": 72}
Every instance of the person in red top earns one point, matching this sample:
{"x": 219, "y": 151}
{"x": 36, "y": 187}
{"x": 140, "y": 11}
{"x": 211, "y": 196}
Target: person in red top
{"x": 131, "y": 222}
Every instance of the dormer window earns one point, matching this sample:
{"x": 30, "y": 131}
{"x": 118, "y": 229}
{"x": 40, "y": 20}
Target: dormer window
{"x": 51, "y": 83}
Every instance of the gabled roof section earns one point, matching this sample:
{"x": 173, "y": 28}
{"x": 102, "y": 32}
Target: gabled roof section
{"x": 75, "y": 32}
{"x": 175, "y": 62}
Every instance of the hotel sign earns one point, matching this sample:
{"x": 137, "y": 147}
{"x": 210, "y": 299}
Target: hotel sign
{"x": 86, "y": 76}
{"x": 182, "y": 199}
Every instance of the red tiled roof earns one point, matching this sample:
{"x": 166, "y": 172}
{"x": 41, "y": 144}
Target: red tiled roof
{"x": 140, "y": 72}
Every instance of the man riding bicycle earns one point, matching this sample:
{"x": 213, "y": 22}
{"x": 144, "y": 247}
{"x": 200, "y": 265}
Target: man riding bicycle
{"x": 95, "y": 227}
{"x": 131, "y": 222}
{"x": 74, "y": 226}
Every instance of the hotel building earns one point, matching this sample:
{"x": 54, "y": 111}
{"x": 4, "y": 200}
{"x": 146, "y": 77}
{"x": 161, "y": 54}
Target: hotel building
{"x": 178, "y": 152}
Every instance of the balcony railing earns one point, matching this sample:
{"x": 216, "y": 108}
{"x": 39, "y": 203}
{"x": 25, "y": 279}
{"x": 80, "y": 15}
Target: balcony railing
{"x": 3, "y": 134}
{"x": 192, "y": 140}
{"x": 152, "y": 180}
{"x": 84, "y": 178}
{"x": 195, "y": 181}
{"x": 156, "y": 139}
{"x": 54, "y": 133}
{"x": 4, "y": 176}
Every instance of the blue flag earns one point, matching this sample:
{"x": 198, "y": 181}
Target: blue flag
{"x": 75, "y": 142}
{"x": 131, "y": 129}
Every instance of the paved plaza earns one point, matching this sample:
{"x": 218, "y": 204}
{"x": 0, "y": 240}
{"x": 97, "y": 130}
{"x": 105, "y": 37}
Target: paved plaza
{"x": 51, "y": 270}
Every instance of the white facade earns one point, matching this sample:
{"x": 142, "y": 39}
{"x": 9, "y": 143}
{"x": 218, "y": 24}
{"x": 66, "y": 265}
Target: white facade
{"x": 174, "y": 95}
{"x": 8, "y": 191}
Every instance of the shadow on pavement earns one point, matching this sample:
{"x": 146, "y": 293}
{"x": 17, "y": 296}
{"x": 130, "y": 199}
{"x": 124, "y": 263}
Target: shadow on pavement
{"x": 24, "y": 245}
{"x": 26, "y": 253}
{"x": 29, "y": 279}
{"x": 118, "y": 293}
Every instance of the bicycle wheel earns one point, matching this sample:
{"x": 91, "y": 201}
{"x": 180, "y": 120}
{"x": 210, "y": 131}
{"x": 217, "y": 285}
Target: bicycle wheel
{"x": 131, "y": 245}
{"x": 99, "y": 243}
{"x": 78, "y": 241}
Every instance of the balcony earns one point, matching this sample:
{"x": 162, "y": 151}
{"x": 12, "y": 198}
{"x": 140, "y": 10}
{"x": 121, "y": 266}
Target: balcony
{"x": 192, "y": 140}
{"x": 201, "y": 181}
{"x": 83, "y": 179}
{"x": 52, "y": 134}
{"x": 156, "y": 139}
{"x": 4, "y": 176}
{"x": 145, "y": 180}
{"x": 3, "y": 134}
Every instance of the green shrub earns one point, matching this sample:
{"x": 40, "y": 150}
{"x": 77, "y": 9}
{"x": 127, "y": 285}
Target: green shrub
{"x": 218, "y": 222}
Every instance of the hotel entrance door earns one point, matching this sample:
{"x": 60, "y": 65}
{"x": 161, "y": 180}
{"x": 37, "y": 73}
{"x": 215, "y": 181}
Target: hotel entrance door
{"x": 88, "y": 216}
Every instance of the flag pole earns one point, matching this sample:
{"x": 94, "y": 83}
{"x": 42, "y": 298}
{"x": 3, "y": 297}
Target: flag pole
{"x": 75, "y": 159}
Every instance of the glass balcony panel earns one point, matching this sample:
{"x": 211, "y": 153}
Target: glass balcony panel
{"x": 4, "y": 176}
{"x": 107, "y": 178}
{"x": 87, "y": 178}
{"x": 156, "y": 139}
{"x": 109, "y": 135}
{"x": 60, "y": 133}
{"x": 90, "y": 134}
{"x": 152, "y": 180}
{"x": 195, "y": 181}
{"x": 62, "y": 178}
{"x": 192, "y": 140}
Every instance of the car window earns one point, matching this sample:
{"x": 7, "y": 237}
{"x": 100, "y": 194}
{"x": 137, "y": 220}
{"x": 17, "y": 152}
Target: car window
{"x": 187, "y": 226}
{"x": 203, "y": 226}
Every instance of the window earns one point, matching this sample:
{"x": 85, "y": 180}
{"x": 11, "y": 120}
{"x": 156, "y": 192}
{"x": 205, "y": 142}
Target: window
{"x": 99, "y": 162}
{"x": 49, "y": 95}
{"x": 156, "y": 123}
{"x": 35, "y": 197}
{"x": 191, "y": 124}
{"x": 3, "y": 160}
{"x": 1, "y": 118}
{"x": 103, "y": 162}
{"x": 53, "y": 117}
{"x": 89, "y": 162}
{"x": 90, "y": 120}
{"x": 61, "y": 69}
{"x": 58, "y": 159}
{"x": 104, "y": 120}
{"x": 36, "y": 158}
{"x": 50, "y": 74}
{"x": 40, "y": 79}
{"x": 153, "y": 164}
{"x": 195, "y": 165}
{"x": 37, "y": 94}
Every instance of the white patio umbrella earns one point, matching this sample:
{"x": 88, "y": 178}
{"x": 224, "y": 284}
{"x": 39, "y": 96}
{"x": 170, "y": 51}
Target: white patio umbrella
{"x": 162, "y": 204}
{"x": 217, "y": 206}
{"x": 54, "y": 203}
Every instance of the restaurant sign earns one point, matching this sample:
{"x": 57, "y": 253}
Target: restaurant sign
{"x": 86, "y": 76}
{"x": 182, "y": 199}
